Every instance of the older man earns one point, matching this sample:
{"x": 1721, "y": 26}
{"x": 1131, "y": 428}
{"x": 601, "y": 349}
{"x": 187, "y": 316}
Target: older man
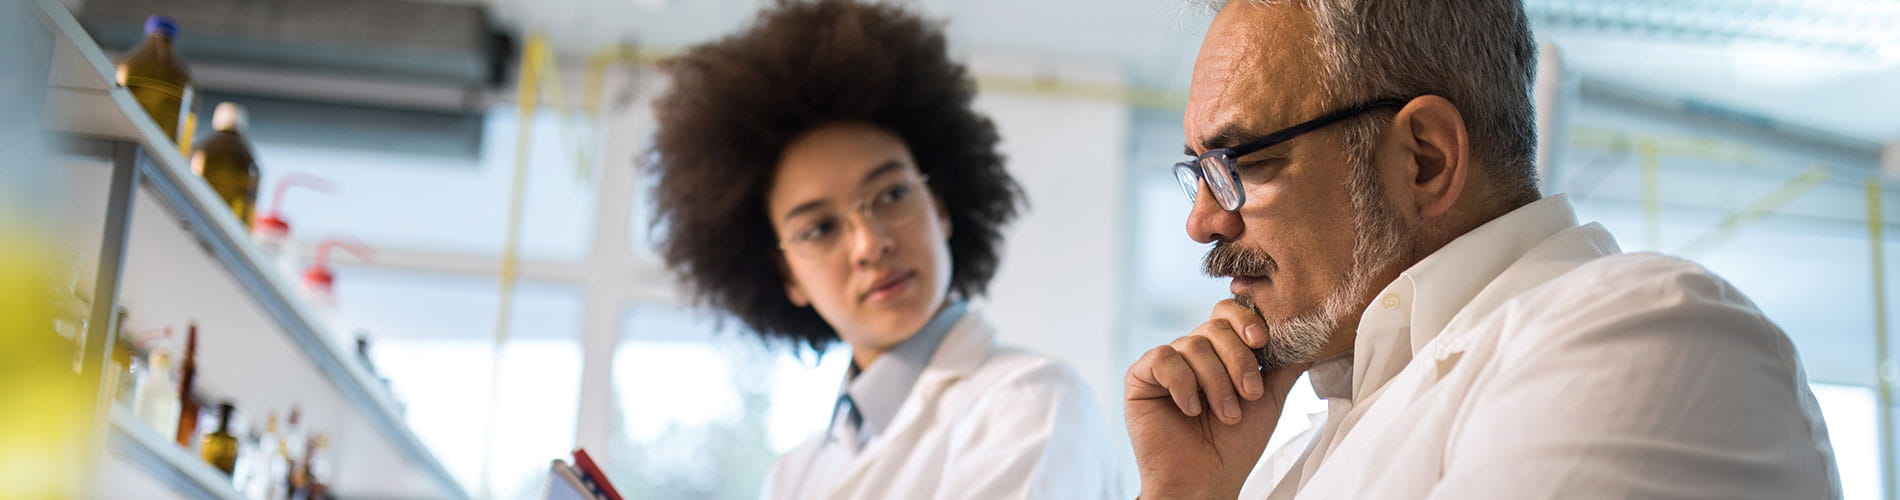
{"x": 1363, "y": 170}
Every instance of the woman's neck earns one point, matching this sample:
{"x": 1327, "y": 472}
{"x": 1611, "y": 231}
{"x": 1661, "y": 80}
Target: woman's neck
{"x": 864, "y": 355}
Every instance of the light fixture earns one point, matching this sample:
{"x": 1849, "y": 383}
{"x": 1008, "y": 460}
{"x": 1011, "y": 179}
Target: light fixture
{"x": 1858, "y": 27}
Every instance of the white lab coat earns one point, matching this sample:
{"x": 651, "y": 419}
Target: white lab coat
{"x": 984, "y": 421}
{"x": 1531, "y": 359}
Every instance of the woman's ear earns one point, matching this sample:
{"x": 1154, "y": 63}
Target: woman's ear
{"x": 943, "y": 215}
{"x": 796, "y": 295}
{"x": 793, "y": 291}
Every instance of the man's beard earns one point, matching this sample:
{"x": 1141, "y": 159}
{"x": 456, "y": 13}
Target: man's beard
{"x": 1379, "y": 245}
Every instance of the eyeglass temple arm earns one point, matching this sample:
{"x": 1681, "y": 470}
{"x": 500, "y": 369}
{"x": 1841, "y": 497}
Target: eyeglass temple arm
{"x": 1249, "y": 147}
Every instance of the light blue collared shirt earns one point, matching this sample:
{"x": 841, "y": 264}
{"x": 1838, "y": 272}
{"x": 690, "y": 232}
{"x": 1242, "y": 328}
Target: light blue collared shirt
{"x": 869, "y": 398}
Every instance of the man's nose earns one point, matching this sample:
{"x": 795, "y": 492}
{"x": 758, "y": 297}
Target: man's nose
{"x": 1207, "y": 222}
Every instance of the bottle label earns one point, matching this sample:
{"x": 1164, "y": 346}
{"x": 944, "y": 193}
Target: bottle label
{"x": 166, "y": 102}
{"x": 143, "y": 85}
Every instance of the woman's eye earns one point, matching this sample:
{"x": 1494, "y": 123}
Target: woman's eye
{"x": 894, "y": 194}
{"x": 817, "y": 230}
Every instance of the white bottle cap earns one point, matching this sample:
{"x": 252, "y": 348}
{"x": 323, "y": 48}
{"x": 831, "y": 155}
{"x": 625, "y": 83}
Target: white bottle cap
{"x": 230, "y": 116}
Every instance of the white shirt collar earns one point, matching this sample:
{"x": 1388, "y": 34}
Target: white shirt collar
{"x": 1332, "y": 377}
{"x": 1414, "y": 308}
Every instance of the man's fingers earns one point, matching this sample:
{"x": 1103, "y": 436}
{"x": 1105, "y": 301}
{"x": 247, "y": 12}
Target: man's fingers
{"x": 1212, "y": 369}
{"x": 1246, "y": 322}
{"x": 1243, "y": 368}
{"x": 1211, "y": 372}
{"x": 1163, "y": 372}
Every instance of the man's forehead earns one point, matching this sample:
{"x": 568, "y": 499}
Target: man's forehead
{"x": 1256, "y": 69}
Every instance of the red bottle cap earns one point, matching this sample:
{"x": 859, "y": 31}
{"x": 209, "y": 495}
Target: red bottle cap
{"x": 318, "y": 276}
{"x": 271, "y": 222}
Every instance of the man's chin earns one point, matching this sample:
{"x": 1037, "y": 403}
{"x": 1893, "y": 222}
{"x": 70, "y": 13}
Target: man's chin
{"x": 1299, "y": 339}
{"x": 1246, "y": 300}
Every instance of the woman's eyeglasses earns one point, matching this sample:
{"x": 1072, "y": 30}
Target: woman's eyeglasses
{"x": 821, "y": 233}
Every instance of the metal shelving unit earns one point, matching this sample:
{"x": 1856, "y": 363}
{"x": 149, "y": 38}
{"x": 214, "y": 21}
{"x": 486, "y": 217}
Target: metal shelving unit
{"x": 159, "y": 243}
{"x": 135, "y": 444}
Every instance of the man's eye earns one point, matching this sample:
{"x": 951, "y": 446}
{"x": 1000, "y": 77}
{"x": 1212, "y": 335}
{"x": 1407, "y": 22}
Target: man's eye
{"x": 1260, "y": 169}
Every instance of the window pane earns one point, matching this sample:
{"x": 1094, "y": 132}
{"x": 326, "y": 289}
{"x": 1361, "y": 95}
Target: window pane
{"x": 1733, "y": 201}
{"x": 703, "y": 414}
{"x": 443, "y": 202}
{"x": 433, "y": 340}
{"x": 1851, "y": 426}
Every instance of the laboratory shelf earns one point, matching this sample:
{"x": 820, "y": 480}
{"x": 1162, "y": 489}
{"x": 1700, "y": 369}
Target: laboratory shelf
{"x": 172, "y": 255}
{"x": 141, "y": 462}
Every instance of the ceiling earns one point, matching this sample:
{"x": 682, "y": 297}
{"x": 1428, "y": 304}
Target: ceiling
{"x": 1828, "y": 64}
{"x": 1832, "y": 65}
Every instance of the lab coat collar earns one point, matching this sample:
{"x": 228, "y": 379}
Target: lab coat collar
{"x": 967, "y": 345}
{"x": 879, "y": 391}
{"x": 1414, "y": 308}
{"x": 964, "y": 349}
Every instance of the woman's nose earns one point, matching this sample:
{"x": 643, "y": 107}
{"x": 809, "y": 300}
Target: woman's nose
{"x": 870, "y": 240}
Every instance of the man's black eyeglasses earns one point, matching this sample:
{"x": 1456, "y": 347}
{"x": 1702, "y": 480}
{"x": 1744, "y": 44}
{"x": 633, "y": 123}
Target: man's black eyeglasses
{"x": 1217, "y": 166}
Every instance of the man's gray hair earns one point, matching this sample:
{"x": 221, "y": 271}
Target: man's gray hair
{"x": 1479, "y": 54}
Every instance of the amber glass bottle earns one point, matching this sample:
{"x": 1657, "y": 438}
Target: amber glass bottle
{"x": 224, "y": 160}
{"x": 187, "y": 399}
{"x": 220, "y": 447}
{"x": 157, "y": 77}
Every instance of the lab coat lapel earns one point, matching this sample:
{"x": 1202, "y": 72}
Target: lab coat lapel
{"x": 963, "y": 351}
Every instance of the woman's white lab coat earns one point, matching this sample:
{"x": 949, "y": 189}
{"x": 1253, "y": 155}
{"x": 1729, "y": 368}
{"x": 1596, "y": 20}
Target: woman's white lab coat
{"x": 984, "y": 421}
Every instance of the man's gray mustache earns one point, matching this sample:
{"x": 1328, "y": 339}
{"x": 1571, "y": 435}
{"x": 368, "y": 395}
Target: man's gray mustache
{"x": 1226, "y": 259}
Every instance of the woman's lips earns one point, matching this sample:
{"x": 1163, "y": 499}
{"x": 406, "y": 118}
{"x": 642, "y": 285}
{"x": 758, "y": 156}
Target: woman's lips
{"x": 890, "y": 287}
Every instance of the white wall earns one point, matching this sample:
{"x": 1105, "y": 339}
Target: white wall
{"x": 1059, "y": 289}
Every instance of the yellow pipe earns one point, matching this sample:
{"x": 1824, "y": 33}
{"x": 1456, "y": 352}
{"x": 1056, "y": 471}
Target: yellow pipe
{"x": 1140, "y": 97}
{"x": 1884, "y": 365}
{"x": 1685, "y": 146}
{"x": 593, "y": 83}
{"x": 533, "y": 63}
{"x": 1755, "y": 211}
{"x": 1087, "y": 91}
{"x": 1652, "y": 193}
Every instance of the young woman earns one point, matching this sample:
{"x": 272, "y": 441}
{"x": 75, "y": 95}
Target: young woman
{"x": 822, "y": 177}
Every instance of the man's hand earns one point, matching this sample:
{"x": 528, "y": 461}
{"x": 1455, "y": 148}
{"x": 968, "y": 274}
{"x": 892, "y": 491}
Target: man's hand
{"x": 1199, "y": 410}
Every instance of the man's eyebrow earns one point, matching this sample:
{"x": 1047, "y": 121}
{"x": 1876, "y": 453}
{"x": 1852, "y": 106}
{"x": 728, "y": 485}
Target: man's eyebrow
{"x": 1228, "y": 136}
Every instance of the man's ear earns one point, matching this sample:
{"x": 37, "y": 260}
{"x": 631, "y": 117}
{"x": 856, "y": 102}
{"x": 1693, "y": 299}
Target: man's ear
{"x": 1432, "y": 132}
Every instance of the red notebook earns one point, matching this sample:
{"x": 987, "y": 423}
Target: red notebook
{"x": 591, "y": 473}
